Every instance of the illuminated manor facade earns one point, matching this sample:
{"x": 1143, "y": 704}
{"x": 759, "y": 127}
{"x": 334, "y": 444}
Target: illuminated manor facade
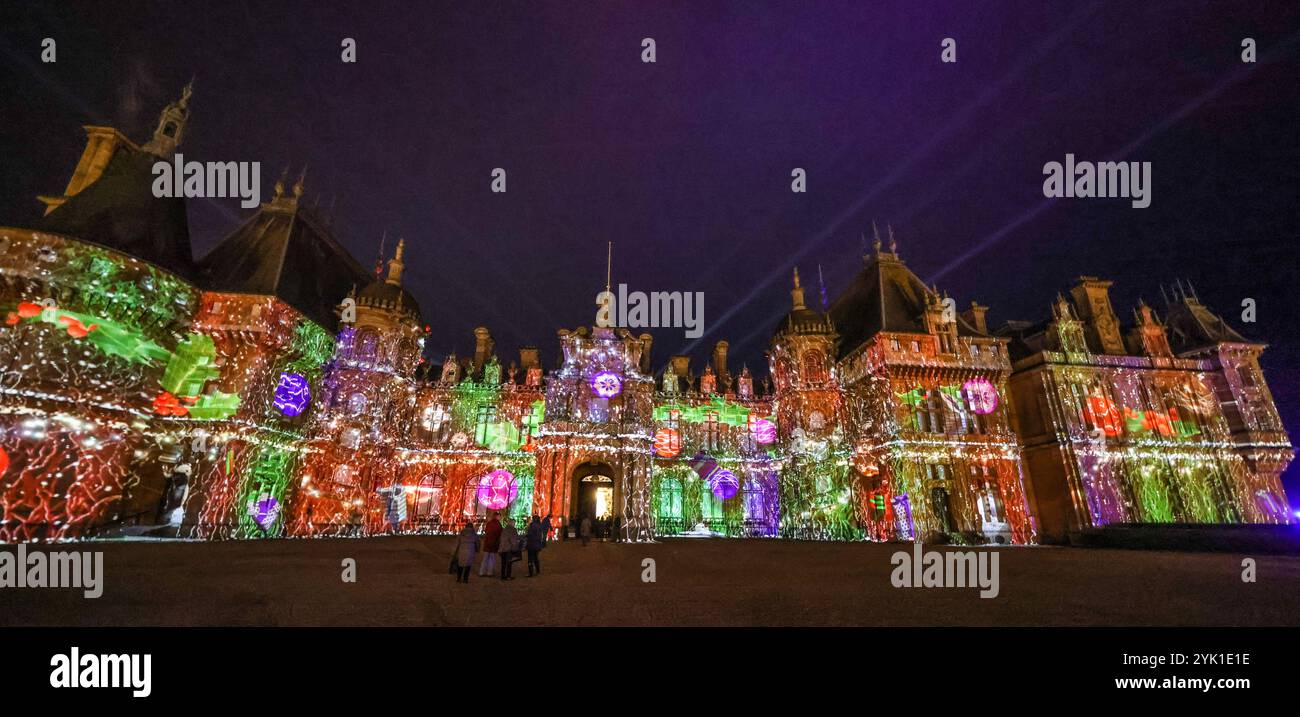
{"x": 278, "y": 388}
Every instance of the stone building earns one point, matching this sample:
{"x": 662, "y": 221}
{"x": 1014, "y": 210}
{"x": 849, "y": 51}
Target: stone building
{"x": 275, "y": 387}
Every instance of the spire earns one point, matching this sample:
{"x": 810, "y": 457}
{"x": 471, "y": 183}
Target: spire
{"x": 395, "y": 265}
{"x": 875, "y": 231}
{"x": 379, "y": 260}
{"x": 298, "y": 185}
{"x": 279, "y": 183}
{"x": 893, "y": 245}
{"x": 609, "y": 263}
{"x": 171, "y": 125}
{"x": 796, "y": 294}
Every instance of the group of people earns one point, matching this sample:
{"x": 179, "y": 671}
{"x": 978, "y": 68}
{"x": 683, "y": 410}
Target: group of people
{"x": 499, "y": 544}
{"x": 605, "y": 528}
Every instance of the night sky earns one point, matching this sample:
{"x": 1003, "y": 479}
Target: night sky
{"x": 685, "y": 164}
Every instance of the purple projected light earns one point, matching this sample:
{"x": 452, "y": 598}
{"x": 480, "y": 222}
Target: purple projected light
{"x": 606, "y": 384}
{"x": 981, "y": 395}
{"x": 724, "y": 484}
{"x": 264, "y": 509}
{"x": 764, "y": 432}
{"x": 292, "y": 394}
{"x": 497, "y": 489}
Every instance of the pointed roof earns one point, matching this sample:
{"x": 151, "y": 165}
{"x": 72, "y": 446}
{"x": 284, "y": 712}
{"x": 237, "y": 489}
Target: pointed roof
{"x": 1190, "y": 326}
{"x": 885, "y": 297}
{"x": 284, "y": 250}
{"x": 119, "y": 211}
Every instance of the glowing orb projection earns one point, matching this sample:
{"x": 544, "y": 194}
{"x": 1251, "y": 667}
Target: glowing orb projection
{"x": 497, "y": 489}
{"x": 264, "y": 510}
{"x": 724, "y": 484}
{"x": 764, "y": 431}
{"x": 668, "y": 442}
{"x": 981, "y": 395}
{"x": 606, "y": 384}
{"x": 292, "y": 394}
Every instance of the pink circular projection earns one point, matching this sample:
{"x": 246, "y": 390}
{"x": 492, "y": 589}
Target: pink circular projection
{"x": 497, "y": 489}
{"x": 981, "y": 395}
{"x": 606, "y": 384}
{"x": 764, "y": 432}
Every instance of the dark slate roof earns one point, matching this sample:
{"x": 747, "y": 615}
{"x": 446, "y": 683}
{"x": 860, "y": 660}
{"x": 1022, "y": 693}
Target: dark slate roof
{"x": 885, "y": 296}
{"x": 283, "y": 250}
{"x": 380, "y": 293}
{"x": 1027, "y": 338}
{"x": 1191, "y": 326}
{"x": 804, "y": 321}
{"x": 119, "y": 211}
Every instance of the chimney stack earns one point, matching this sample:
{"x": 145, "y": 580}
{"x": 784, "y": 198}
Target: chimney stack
{"x": 720, "y": 359}
{"x": 483, "y": 345}
{"x": 681, "y": 366}
{"x": 646, "y": 342}
{"x": 975, "y": 316}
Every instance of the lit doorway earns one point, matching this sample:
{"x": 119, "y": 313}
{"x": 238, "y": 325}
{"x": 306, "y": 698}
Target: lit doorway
{"x": 593, "y": 495}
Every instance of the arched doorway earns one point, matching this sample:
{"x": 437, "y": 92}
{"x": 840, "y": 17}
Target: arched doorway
{"x": 593, "y": 492}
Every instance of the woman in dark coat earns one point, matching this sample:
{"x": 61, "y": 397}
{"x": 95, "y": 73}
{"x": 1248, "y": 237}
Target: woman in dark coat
{"x": 534, "y": 541}
{"x": 466, "y": 549}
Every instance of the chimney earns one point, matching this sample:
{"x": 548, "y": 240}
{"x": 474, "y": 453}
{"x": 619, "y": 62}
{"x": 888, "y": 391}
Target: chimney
{"x": 646, "y": 342}
{"x": 720, "y": 359}
{"x": 483, "y": 345}
{"x": 975, "y": 316}
{"x": 1092, "y": 301}
{"x": 682, "y": 366}
{"x": 528, "y": 357}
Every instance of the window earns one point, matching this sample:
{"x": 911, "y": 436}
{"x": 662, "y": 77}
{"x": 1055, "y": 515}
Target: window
{"x": 814, "y": 366}
{"x": 988, "y": 497}
{"x": 670, "y": 499}
{"x": 710, "y": 505}
{"x": 712, "y": 431}
{"x": 755, "y": 506}
{"x": 522, "y": 507}
{"x": 486, "y": 416}
{"x": 428, "y": 497}
{"x": 528, "y": 424}
{"x": 921, "y": 412}
{"x": 433, "y": 417}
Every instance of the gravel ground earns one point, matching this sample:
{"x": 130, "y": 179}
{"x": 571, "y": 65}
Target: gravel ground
{"x": 404, "y": 581}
